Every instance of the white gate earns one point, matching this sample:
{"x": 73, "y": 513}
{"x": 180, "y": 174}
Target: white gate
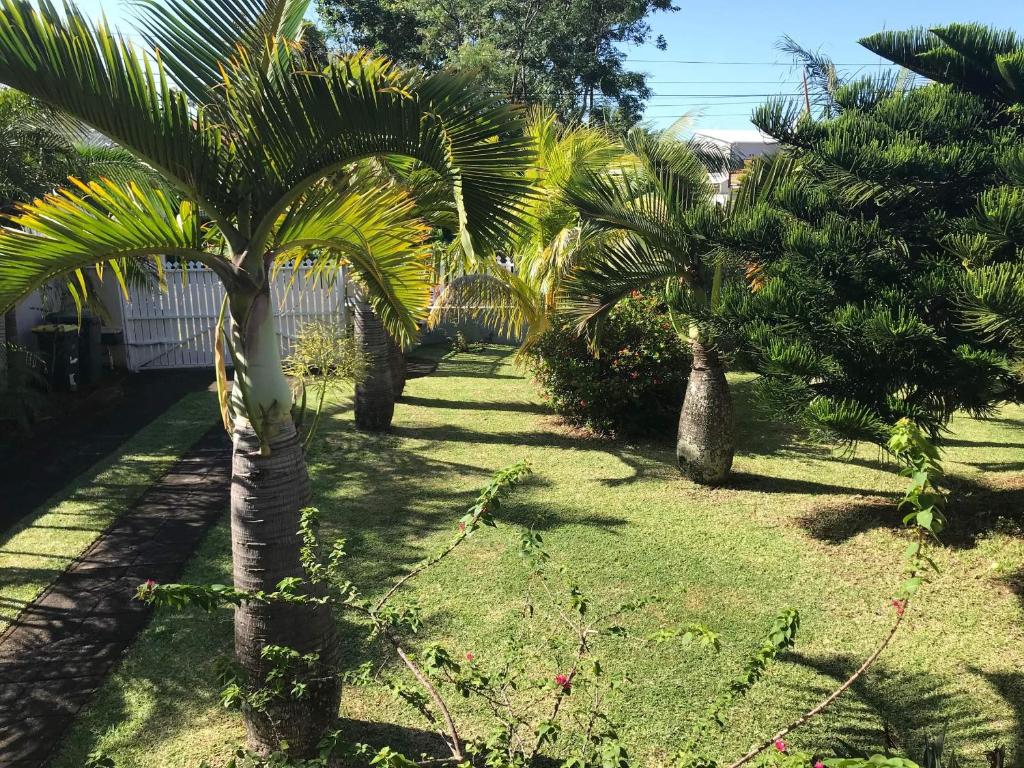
{"x": 176, "y": 329}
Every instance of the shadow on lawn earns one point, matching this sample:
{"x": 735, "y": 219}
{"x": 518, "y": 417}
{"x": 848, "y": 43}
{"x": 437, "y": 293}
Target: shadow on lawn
{"x": 474, "y": 405}
{"x": 975, "y": 509}
{"x": 393, "y": 497}
{"x": 890, "y": 709}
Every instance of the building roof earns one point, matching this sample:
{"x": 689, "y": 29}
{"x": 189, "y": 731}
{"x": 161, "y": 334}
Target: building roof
{"x": 734, "y": 135}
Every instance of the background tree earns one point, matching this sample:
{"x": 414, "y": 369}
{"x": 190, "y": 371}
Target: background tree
{"x": 990, "y": 64}
{"x": 564, "y": 55}
{"x": 253, "y": 142}
{"x": 869, "y": 252}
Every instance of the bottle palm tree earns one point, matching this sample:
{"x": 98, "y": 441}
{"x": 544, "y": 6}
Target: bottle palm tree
{"x": 659, "y": 226}
{"x": 252, "y": 142}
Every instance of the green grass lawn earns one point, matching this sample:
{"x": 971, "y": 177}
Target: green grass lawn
{"x": 797, "y": 528}
{"x": 36, "y": 550}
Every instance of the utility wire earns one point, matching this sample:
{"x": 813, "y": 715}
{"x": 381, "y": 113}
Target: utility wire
{"x": 629, "y": 60}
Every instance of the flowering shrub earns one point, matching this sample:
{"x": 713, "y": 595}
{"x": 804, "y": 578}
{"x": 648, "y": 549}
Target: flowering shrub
{"x": 636, "y": 382}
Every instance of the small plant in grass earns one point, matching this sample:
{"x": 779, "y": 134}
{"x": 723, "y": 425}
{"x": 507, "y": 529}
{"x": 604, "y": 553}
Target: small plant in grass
{"x": 554, "y": 703}
{"x": 323, "y": 355}
{"x": 633, "y": 383}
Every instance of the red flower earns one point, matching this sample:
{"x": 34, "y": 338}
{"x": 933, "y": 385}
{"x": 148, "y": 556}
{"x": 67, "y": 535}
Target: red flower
{"x": 469, "y": 656}
{"x": 780, "y": 745}
{"x": 563, "y": 681}
{"x": 634, "y": 375}
{"x": 462, "y": 527}
{"x": 899, "y": 605}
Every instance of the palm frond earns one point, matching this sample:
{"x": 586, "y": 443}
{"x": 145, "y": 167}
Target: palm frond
{"x": 624, "y": 264}
{"x": 372, "y": 230}
{"x": 300, "y": 129}
{"x": 95, "y": 223}
{"x": 500, "y": 299}
{"x": 195, "y": 38}
{"x": 102, "y": 80}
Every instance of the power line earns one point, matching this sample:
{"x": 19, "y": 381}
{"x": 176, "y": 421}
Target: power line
{"x": 726, "y": 82}
{"x": 749, "y": 63}
{"x": 726, "y": 95}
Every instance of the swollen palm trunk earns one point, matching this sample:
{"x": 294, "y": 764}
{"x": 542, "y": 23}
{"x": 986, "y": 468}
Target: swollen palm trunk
{"x": 397, "y": 359}
{"x": 267, "y": 494}
{"x": 375, "y": 396}
{"x": 704, "y": 445}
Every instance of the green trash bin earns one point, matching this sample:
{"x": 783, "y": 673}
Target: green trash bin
{"x": 58, "y": 348}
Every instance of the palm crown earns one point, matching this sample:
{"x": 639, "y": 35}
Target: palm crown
{"x": 253, "y": 145}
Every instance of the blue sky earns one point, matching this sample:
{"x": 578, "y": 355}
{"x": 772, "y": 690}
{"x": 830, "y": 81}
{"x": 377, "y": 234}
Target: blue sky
{"x": 747, "y": 31}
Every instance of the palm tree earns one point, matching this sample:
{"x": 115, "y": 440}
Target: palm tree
{"x": 375, "y": 394}
{"x": 252, "y": 142}
{"x": 660, "y": 227}
{"x": 519, "y": 302}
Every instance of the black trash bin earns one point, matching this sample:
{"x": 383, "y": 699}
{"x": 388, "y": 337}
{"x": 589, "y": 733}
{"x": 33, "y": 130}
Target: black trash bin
{"x": 90, "y": 344}
{"x": 58, "y": 347}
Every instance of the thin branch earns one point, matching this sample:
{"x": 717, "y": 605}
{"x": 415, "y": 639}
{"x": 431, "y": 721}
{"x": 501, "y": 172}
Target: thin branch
{"x": 418, "y": 570}
{"x": 455, "y": 744}
{"x": 825, "y": 703}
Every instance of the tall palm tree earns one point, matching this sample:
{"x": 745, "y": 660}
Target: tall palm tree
{"x": 660, "y": 227}
{"x": 251, "y": 141}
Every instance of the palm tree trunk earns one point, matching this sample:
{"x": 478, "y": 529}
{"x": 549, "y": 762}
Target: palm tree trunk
{"x": 704, "y": 446}
{"x": 269, "y": 488}
{"x": 375, "y": 396}
{"x": 267, "y": 494}
{"x": 397, "y": 360}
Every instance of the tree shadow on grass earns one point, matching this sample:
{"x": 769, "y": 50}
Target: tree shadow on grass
{"x": 1010, "y": 686}
{"x": 475, "y": 405}
{"x": 974, "y": 510}
{"x": 482, "y": 363}
{"x": 757, "y": 435}
{"x": 892, "y": 709}
{"x": 394, "y": 497}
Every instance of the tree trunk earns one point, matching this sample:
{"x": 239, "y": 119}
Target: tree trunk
{"x": 704, "y": 446}
{"x": 397, "y": 360}
{"x": 267, "y": 495}
{"x": 375, "y": 396}
{"x": 269, "y": 488}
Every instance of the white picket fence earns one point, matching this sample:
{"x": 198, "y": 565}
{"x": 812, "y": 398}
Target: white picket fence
{"x": 176, "y": 329}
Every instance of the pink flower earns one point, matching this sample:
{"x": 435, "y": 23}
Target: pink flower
{"x": 462, "y": 527}
{"x": 780, "y": 745}
{"x": 819, "y": 764}
{"x": 469, "y": 656}
{"x": 563, "y": 681}
{"x": 150, "y": 583}
{"x": 899, "y": 605}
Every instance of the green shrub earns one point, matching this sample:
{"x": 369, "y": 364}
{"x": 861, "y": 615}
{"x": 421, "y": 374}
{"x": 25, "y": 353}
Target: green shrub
{"x": 634, "y": 385}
